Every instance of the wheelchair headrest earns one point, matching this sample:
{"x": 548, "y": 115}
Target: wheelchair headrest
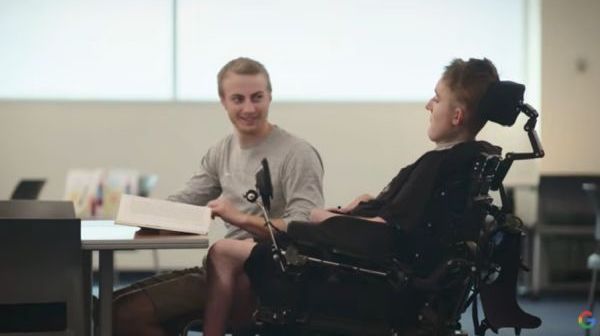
{"x": 501, "y": 102}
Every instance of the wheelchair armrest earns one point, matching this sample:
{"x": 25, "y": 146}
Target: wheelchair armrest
{"x": 299, "y": 251}
{"x": 346, "y": 236}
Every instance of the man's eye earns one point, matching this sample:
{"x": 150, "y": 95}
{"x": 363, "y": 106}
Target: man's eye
{"x": 257, "y": 98}
{"x": 236, "y": 100}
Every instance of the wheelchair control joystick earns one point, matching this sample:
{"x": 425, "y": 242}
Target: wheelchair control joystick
{"x": 262, "y": 197}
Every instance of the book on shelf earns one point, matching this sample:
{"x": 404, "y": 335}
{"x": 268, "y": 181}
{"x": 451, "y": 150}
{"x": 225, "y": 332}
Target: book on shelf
{"x": 163, "y": 215}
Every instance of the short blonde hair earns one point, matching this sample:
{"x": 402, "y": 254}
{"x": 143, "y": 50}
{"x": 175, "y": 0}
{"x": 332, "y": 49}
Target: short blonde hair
{"x": 242, "y": 66}
{"x": 468, "y": 81}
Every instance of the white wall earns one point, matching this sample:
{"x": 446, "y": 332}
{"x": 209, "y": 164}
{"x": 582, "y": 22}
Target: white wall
{"x": 362, "y": 145}
{"x": 570, "y": 107}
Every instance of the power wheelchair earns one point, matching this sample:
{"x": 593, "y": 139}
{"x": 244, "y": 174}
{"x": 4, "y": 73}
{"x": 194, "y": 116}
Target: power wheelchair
{"x": 305, "y": 287}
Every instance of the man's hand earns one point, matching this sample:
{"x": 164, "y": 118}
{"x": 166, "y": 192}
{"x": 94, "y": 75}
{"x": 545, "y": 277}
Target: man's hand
{"x": 254, "y": 224}
{"x": 355, "y": 202}
{"x": 221, "y": 207}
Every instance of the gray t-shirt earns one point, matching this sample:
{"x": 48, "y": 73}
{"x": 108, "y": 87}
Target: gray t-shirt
{"x": 228, "y": 170}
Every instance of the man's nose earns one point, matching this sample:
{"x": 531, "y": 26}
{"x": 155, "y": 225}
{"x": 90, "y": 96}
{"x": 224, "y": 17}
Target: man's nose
{"x": 249, "y": 106}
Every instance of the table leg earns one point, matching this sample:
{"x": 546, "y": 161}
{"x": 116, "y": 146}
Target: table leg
{"x": 106, "y": 291}
{"x": 536, "y": 264}
{"x": 87, "y": 290}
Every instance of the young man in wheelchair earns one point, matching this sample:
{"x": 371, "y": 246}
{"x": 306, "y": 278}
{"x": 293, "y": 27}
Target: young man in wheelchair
{"x": 402, "y": 220}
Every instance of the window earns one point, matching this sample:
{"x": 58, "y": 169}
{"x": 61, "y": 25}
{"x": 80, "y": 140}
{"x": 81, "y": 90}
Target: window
{"x": 347, "y": 50}
{"x": 73, "y": 49}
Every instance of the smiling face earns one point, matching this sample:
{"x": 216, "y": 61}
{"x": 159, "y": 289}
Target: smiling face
{"x": 247, "y": 99}
{"x": 447, "y": 116}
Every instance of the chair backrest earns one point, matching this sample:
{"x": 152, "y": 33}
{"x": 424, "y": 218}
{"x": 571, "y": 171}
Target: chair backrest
{"x": 41, "y": 287}
{"x": 27, "y": 209}
{"x": 28, "y": 189}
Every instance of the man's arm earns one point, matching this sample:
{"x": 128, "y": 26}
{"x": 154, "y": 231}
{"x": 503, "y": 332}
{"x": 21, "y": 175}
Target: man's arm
{"x": 203, "y": 186}
{"x": 254, "y": 224}
{"x": 350, "y": 206}
{"x": 302, "y": 183}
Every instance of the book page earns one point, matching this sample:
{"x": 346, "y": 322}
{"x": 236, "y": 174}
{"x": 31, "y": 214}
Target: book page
{"x": 163, "y": 215}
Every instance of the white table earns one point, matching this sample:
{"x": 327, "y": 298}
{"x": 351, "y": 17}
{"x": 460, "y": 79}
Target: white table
{"x": 107, "y": 237}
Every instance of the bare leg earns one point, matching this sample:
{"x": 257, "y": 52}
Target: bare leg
{"x": 225, "y": 269}
{"x": 245, "y": 303}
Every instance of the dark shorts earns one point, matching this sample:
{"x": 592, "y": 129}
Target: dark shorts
{"x": 174, "y": 294}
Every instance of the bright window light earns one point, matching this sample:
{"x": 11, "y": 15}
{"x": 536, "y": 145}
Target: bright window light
{"x": 335, "y": 50}
{"x": 348, "y": 50}
{"x": 74, "y": 49}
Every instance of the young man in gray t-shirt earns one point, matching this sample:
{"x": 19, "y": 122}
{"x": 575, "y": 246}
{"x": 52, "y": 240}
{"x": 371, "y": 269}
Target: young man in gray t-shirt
{"x": 226, "y": 172}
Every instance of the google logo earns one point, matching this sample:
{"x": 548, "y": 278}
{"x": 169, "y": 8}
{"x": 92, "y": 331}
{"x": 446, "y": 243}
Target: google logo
{"x": 586, "y": 320}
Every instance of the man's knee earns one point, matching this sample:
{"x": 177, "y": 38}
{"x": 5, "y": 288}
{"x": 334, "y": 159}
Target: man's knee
{"x": 217, "y": 250}
{"x": 229, "y": 252}
{"x": 220, "y": 253}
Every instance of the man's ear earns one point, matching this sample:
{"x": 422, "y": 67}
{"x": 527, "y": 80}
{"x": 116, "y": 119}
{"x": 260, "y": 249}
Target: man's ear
{"x": 459, "y": 116}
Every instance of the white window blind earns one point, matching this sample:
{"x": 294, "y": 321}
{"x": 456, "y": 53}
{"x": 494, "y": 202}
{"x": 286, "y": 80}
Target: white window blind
{"x": 83, "y": 49}
{"x": 347, "y": 50}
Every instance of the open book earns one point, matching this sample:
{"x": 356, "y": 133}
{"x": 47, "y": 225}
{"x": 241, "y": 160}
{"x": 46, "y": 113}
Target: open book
{"x": 163, "y": 215}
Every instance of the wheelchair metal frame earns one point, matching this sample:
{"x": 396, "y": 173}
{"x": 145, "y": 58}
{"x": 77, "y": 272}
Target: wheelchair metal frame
{"x": 488, "y": 175}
